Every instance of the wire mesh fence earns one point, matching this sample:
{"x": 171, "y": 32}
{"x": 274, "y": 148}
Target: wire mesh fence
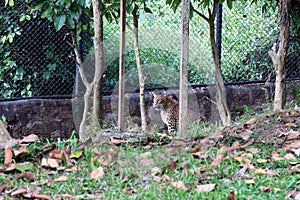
{"x": 38, "y": 61}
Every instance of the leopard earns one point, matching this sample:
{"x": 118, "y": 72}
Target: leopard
{"x": 169, "y": 110}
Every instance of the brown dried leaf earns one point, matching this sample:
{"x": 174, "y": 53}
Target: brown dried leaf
{"x": 289, "y": 156}
{"x": 291, "y": 125}
{"x": 28, "y": 175}
{"x": 200, "y": 155}
{"x": 20, "y": 190}
{"x": 97, "y": 173}
{"x": 215, "y": 163}
{"x": 8, "y": 155}
{"x": 244, "y": 169}
{"x": 157, "y": 179}
{"x": 21, "y": 151}
{"x": 179, "y": 185}
{"x": 167, "y": 178}
{"x": 254, "y": 150}
{"x": 40, "y": 196}
{"x": 2, "y": 188}
{"x": 61, "y": 179}
{"x": 265, "y": 188}
{"x": 155, "y": 170}
{"x": 11, "y": 167}
{"x": 49, "y": 162}
{"x": 66, "y": 156}
{"x": 56, "y": 154}
{"x": 205, "y": 188}
{"x": 276, "y": 156}
{"x": 172, "y": 165}
{"x": 30, "y": 138}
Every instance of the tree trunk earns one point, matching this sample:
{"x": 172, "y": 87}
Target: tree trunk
{"x": 279, "y": 56}
{"x": 221, "y": 100}
{"x": 89, "y": 87}
{"x": 121, "y": 102}
{"x": 98, "y": 45}
{"x": 140, "y": 72}
{"x": 183, "y": 85}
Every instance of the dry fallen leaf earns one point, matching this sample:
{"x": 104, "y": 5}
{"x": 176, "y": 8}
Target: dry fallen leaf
{"x": 49, "y": 162}
{"x": 249, "y": 181}
{"x": 157, "y": 179}
{"x": 155, "y": 170}
{"x": 10, "y": 167}
{"x": 276, "y": 156}
{"x": 8, "y": 155}
{"x": 261, "y": 161}
{"x": 28, "y": 175}
{"x": 260, "y": 171}
{"x": 21, "y": 151}
{"x": 172, "y": 165}
{"x": 205, "y": 188}
{"x": 167, "y": 178}
{"x": 61, "y": 179}
{"x": 56, "y": 154}
{"x": 30, "y": 138}
{"x": 2, "y": 188}
{"x": 289, "y": 156}
{"x": 67, "y": 158}
{"x": 265, "y": 188}
{"x": 97, "y": 173}
{"x": 20, "y": 190}
{"x": 179, "y": 185}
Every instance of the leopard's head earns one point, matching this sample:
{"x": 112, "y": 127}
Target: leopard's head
{"x": 159, "y": 101}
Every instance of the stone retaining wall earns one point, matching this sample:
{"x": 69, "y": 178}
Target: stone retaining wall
{"x": 53, "y": 118}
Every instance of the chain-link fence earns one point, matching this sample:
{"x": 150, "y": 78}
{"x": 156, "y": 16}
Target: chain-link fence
{"x": 38, "y": 61}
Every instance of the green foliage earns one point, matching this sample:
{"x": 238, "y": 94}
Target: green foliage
{"x": 61, "y": 12}
{"x": 296, "y": 94}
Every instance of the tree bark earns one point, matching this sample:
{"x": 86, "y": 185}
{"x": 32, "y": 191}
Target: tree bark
{"x": 121, "y": 101}
{"x": 279, "y": 56}
{"x": 221, "y": 100}
{"x": 183, "y": 85}
{"x": 139, "y": 69}
{"x": 98, "y": 45}
{"x": 89, "y": 87}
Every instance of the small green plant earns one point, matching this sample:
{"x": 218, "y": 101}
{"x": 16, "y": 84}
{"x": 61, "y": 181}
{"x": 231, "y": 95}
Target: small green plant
{"x": 248, "y": 110}
{"x": 3, "y": 118}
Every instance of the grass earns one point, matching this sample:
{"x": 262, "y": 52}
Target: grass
{"x": 129, "y": 172}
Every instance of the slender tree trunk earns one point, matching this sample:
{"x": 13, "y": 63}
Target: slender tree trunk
{"x": 139, "y": 69}
{"x": 279, "y": 56}
{"x": 98, "y": 45}
{"x": 183, "y": 85}
{"x": 121, "y": 102}
{"x": 89, "y": 87}
{"x": 221, "y": 100}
